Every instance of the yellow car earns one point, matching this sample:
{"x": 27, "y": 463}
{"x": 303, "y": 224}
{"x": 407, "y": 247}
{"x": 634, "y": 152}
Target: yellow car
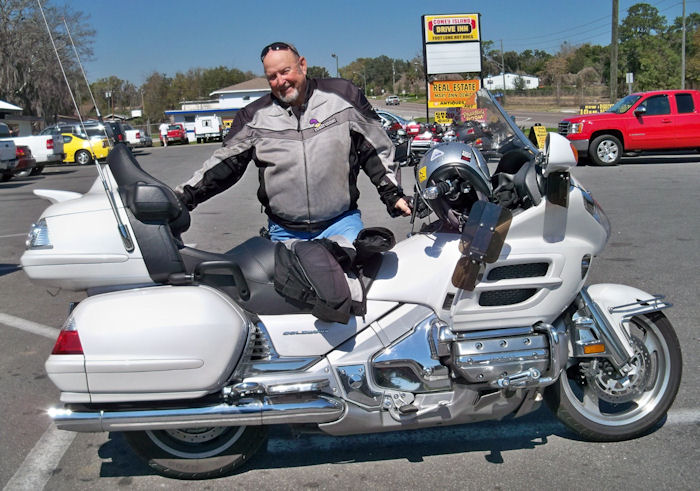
{"x": 82, "y": 151}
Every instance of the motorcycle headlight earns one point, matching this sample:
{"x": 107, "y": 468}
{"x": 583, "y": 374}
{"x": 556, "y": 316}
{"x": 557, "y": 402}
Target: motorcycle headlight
{"x": 38, "y": 237}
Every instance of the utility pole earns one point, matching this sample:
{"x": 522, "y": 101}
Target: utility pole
{"x": 503, "y": 74}
{"x": 683, "y": 52}
{"x": 613, "y": 52}
{"x": 393, "y": 76}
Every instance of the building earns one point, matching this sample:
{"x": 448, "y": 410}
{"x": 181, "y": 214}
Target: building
{"x": 227, "y": 102}
{"x": 495, "y": 82}
{"x": 12, "y": 116}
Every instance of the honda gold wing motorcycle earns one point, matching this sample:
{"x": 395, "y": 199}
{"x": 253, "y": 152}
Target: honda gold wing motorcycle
{"x": 481, "y": 315}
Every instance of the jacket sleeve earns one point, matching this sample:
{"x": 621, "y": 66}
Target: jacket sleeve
{"x": 375, "y": 153}
{"x": 223, "y": 169}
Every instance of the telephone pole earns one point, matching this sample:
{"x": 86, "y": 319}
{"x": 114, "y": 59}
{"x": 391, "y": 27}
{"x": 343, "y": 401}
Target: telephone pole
{"x": 683, "y": 52}
{"x": 613, "y": 52}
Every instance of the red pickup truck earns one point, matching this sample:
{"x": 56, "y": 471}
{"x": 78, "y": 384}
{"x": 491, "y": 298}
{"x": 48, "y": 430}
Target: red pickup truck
{"x": 176, "y": 134}
{"x": 645, "y": 121}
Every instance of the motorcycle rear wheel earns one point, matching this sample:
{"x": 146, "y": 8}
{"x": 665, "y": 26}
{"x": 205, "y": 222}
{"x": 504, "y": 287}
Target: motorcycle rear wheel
{"x": 197, "y": 453}
{"x": 594, "y": 415}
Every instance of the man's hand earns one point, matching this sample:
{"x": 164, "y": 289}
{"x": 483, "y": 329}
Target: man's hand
{"x": 402, "y": 205}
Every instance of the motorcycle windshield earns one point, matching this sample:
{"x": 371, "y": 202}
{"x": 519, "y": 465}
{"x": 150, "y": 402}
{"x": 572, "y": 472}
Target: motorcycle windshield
{"x": 495, "y": 131}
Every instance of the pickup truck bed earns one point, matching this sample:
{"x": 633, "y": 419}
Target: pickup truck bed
{"x": 45, "y": 149}
{"x": 644, "y": 121}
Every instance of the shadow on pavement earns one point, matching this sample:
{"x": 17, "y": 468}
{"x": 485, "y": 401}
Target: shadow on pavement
{"x": 287, "y": 448}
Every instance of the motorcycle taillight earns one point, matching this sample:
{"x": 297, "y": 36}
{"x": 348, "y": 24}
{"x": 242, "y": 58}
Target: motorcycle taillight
{"x": 68, "y": 343}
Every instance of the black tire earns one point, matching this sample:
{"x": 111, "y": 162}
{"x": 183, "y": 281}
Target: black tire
{"x": 576, "y": 402}
{"x": 197, "y": 453}
{"x": 605, "y": 150}
{"x": 83, "y": 157}
{"x": 37, "y": 170}
{"x": 6, "y": 176}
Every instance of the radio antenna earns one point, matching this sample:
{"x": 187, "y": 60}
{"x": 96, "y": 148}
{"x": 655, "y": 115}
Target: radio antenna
{"x": 123, "y": 231}
{"x": 82, "y": 70}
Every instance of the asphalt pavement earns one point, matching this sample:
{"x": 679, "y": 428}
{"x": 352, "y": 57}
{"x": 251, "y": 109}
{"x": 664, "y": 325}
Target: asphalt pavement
{"x": 652, "y": 204}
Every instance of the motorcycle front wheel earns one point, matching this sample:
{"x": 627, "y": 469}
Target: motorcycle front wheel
{"x": 600, "y": 404}
{"x": 197, "y": 453}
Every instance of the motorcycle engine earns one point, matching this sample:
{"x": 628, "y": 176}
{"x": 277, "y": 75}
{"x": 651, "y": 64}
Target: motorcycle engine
{"x": 495, "y": 358}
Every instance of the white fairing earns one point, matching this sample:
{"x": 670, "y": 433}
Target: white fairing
{"x": 305, "y": 335}
{"x": 87, "y": 250}
{"x": 151, "y": 344}
{"x": 420, "y": 271}
{"x": 559, "y": 154}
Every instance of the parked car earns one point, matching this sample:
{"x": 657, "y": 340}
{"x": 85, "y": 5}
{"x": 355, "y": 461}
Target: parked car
{"x": 146, "y": 140}
{"x": 389, "y": 119}
{"x": 207, "y": 128}
{"x": 26, "y": 163}
{"x": 46, "y": 149}
{"x": 8, "y": 159}
{"x": 644, "y": 121}
{"x": 392, "y": 100}
{"x": 133, "y": 136}
{"x": 176, "y": 134}
{"x": 82, "y": 150}
{"x": 113, "y": 130}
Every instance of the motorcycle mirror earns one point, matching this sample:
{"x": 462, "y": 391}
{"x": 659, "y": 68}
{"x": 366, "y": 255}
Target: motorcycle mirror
{"x": 482, "y": 240}
{"x": 560, "y": 154}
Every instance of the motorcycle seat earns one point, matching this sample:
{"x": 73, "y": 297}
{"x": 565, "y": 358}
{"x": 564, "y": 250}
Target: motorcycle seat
{"x": 256, "y": 259}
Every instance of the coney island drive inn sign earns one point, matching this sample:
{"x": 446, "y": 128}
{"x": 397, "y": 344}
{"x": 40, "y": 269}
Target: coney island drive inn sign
{"x": 452, "y": 43}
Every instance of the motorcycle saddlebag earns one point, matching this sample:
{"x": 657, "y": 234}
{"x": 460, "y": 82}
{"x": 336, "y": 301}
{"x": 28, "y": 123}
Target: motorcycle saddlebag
{"x": 157, "y": 343}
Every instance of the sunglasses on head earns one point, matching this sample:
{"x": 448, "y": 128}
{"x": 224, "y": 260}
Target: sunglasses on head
{"x": 278, "y": 46}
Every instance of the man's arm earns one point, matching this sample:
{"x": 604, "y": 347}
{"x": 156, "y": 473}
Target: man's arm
{"x": 223, "y": 169}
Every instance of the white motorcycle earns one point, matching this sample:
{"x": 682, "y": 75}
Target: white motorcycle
{"x": 482, "y": 314}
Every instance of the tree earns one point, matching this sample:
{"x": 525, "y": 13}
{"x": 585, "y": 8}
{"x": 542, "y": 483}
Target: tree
{"x": 317, "y": 72}
{"x": 29, "y": 73}
{"x": 554, "y": 71}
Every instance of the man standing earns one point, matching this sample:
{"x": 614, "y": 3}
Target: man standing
{"x": 163, "y": 128}
{"x": 309, "y": 138}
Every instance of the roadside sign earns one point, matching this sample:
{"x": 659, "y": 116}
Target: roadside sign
{"x": 451, "y": 28}
{"x": 538, "y": 135}
{"x": 451, "y": 93}
{"x": 452, "y": 43}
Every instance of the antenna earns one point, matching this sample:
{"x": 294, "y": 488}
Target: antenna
{"x": 123, "y": 231}
{"x": 82, "y": 70}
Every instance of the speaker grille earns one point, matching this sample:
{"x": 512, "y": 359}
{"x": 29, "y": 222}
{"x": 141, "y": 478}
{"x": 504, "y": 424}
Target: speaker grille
{"x": 528, "y": 270}
{"x": 505, "y": 297}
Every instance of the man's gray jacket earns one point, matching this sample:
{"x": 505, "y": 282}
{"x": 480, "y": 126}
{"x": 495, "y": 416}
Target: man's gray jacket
{"x": 308, "y": 158}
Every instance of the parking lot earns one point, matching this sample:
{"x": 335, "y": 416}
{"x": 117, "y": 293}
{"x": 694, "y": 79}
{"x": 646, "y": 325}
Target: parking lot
{"x": 655, "y": 245}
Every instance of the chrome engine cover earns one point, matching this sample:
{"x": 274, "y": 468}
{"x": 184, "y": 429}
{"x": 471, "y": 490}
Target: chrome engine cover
{"x": 486, "y": 360}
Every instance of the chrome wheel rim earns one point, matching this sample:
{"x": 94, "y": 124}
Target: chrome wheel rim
{"x": 587, "y": 402}
{"x": 607, "y": 151}
{"x": 83, "y": 158}
{"x": 196, "y": 443}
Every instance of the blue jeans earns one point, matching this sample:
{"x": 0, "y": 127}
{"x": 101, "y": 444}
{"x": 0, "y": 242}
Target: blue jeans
{"x": 348, "y": 225}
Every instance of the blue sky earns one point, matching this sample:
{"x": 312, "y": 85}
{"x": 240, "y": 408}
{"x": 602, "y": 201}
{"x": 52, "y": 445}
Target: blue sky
{"x": 137, "y": 37}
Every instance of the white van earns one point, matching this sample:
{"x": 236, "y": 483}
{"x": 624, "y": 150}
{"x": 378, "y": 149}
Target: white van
{"x": 207, "y": 128}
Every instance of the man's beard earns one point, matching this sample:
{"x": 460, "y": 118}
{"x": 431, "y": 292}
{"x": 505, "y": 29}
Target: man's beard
{"x": 290, "y": 97}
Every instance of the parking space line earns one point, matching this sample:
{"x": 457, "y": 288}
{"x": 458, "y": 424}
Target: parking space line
{"x": 28, "y": 326}
{"x": 13, "y": 235}
{"x": 38, "y": 467}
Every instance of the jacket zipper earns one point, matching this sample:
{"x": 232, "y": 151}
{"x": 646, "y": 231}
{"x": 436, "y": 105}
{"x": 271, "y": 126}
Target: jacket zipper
{"x": 306, "y": 174}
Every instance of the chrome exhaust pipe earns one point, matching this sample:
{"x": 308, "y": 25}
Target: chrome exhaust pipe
{"x": 254, "y": 412}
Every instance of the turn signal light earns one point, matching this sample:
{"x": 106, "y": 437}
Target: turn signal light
{"x": 592, "y": 349}
{"x": 68, "y": 343}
